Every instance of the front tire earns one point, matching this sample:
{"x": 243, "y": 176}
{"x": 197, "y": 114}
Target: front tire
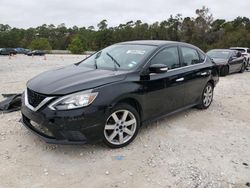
{"x": 121, "y": 126}
{"x": 207, "y": 96}
{"x": 224, "y": 71}
{"x": 243, "y": 68}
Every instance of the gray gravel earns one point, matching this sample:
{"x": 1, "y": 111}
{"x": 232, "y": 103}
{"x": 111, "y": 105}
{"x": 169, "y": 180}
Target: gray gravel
{"x": 192, "y": 149}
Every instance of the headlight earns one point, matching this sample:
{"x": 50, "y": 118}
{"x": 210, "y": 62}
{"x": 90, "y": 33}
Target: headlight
{"x": 73, "y": 101}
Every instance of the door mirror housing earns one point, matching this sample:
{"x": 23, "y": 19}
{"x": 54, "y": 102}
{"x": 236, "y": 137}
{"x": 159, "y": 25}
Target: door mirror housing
{"x": 158, "y": 68}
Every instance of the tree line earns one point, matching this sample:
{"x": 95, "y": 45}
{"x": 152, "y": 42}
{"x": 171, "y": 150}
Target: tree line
{"x": 201, "y": 30}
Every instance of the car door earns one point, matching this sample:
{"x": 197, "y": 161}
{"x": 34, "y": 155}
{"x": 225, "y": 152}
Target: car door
{"x": 196, "y": 74}
{"x": 163, "y": 91}
{"x": 235, "y": 62}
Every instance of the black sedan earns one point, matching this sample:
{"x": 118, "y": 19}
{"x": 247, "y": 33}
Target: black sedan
{"x": 22, "y": 50}
{"x": 111, "y": 94}
{"x": 36, "y": 52}
{"x": 229, "y": 61}
{"x": 7, "y": 51}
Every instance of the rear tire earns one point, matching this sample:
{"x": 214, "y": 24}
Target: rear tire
{"x": 121, "y": 126}
{"x": 207, "y": 96}
{"x": 248, "y": 64}
{"x": 243, "y": 68}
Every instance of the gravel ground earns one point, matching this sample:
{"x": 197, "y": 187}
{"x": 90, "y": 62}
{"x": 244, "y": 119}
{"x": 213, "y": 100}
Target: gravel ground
{"x": 192, "y": 149}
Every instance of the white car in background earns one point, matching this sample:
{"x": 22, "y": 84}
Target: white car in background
{"x": 245, "y": 52}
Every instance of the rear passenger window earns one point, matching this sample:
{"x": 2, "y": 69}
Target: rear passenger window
{"x": 190, "y": 56}
{"x": 202, "y": 57}
{"x": 168, "y": 57}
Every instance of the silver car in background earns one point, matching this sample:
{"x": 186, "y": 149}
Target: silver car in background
{"x": 245, "y": 52}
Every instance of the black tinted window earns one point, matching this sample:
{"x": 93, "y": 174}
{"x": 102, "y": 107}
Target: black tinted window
{"x": 168, "y": 56}
{"x": 202, "y": 57}
{"x": 190, "y": 56}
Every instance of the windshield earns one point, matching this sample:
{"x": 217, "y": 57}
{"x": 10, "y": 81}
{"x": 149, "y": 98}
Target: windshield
{"x": 219, "y": 54}
{"x": 119, "y": 57}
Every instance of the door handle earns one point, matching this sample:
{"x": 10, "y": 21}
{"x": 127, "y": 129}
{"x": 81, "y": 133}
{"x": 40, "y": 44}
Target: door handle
{"x": 180, "y": 80}
{"x": 204, "y": 73}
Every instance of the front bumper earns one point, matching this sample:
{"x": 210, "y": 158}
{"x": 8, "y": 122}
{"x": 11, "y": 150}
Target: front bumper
{"x": 78, "y": 126}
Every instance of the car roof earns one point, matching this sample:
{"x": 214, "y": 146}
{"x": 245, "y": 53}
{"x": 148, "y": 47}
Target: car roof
{"x": 239, "y": 48}
{"x": 154, "y": 42}
{"x": 227, "y": 50}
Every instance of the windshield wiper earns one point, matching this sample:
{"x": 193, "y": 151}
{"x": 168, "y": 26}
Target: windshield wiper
{"x": 95, "y": 63}
{"x": 96, "y": 57}
{"x": 114, "y": 60}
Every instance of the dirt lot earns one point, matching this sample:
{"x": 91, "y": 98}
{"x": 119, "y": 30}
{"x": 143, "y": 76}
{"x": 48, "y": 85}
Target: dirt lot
{"x": 209, "y": 148}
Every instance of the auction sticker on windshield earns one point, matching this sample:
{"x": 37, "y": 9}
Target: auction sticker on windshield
{"x": 139, "y": 52}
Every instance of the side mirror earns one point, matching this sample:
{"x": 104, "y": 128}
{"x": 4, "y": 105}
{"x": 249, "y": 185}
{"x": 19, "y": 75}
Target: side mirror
{"x": 158, "y": 68}
{"x": 238, "y": 54}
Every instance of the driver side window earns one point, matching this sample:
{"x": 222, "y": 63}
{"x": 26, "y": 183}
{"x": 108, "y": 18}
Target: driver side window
{"x": 168, "y": 57}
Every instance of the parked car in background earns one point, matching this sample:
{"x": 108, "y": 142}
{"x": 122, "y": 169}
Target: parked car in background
{"x": 22, "y": 50}
{"x": 36, "y": 52}
{"x": 8, "y": 51}
{"x": 244, "y": 51}
{"x": 228, "y": 61}
{"x": 109, "y": 95}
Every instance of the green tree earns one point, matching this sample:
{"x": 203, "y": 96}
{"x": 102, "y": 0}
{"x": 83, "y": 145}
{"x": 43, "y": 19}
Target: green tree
{"x": 203, "y": 23}
{"x": 187, "y": 30}
{"x": 76, "y": 46}
{"x": 102, "y": 25}
{"x": 199, "y": 30}
{"x": 40, "y": 44}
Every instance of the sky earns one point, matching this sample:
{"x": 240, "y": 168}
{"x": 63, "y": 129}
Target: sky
{"x": 32, "y": 13}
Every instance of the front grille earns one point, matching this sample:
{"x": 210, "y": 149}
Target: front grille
{"x": 34, "y": 98}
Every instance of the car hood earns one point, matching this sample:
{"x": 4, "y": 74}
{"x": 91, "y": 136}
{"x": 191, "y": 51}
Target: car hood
{"x": 220, "y": 61}
{"x": 71, "y": 79}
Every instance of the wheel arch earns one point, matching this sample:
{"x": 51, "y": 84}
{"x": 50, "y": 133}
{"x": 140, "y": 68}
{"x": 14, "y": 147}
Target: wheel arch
{"x": 131, "y": 101}
{"x": 212, "y": 82}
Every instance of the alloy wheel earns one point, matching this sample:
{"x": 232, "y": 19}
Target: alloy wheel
{"x": 120, "y": 127}
{"x": 208, "y": 95}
